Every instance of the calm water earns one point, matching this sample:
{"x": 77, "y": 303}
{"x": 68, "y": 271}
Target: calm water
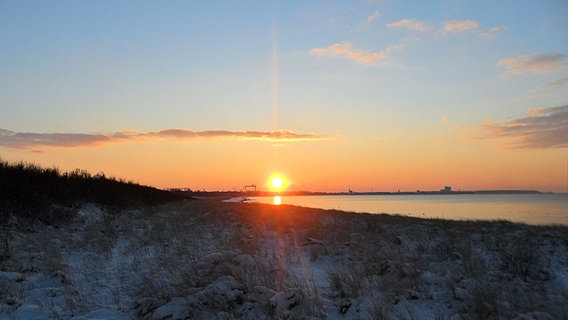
{"x": 527, "y": 208}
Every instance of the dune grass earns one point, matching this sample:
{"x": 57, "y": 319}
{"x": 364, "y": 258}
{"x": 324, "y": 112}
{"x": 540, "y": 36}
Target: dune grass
{"x": 30, "y": 193}
{"x": 206, "y": 259}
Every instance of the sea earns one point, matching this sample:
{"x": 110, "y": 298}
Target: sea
{"x": 535, "y": 209}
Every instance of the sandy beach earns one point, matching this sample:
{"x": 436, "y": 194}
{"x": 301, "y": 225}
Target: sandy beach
{"x": 205, "y": 259}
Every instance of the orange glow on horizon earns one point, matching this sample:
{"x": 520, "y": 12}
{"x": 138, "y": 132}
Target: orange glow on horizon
{"x": 397, "y": 165}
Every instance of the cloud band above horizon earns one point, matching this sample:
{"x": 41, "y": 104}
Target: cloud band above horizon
{"x": 541, "y": 128}
{"x": 25, "y": 140}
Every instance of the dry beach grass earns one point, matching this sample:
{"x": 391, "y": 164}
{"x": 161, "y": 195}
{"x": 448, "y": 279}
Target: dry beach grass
{"x": 212, "y": 260}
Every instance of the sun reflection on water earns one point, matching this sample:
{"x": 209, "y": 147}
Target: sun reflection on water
{"x": 277, "y": 200}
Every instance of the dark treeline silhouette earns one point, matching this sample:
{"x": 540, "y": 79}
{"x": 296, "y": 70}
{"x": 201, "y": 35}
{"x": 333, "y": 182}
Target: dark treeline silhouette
{"x": 30, "y": 193}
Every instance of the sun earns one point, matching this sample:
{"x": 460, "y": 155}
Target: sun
{"x": 277, "y": 182}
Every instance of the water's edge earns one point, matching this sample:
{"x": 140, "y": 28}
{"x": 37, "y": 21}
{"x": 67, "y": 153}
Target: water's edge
{"x": 536, "y": 209}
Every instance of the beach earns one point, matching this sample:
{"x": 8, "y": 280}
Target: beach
{"x": 206, "y": 259}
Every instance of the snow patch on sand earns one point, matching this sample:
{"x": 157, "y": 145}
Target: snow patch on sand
{"x": 253, "y": 261}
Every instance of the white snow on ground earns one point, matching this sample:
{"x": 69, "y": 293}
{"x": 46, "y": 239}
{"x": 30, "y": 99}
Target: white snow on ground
{"x": 205, "y": 260}
{"x": 237, "y": 199}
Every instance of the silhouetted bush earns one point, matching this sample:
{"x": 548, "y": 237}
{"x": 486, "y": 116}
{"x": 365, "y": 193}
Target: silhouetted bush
{"x": 30, "y": 193}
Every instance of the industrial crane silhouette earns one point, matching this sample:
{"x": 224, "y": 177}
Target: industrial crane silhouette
{"x": 249, "y": 187}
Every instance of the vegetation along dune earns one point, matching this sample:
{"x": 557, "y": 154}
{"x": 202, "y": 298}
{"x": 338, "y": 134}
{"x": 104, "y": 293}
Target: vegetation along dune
{"x": 78, "y": 246}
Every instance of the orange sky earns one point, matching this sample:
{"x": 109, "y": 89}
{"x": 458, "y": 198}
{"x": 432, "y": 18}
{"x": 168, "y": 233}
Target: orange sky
{"x": 328, "y": 165}
{"x": 367, "y": 95}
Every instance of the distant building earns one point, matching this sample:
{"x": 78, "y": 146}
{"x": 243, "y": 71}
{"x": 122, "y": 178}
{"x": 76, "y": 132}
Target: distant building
{"x": 447, "y": 189}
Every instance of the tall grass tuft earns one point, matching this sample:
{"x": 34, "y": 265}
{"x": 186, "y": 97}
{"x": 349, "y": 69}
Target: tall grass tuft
{"x": 30, "y": 193}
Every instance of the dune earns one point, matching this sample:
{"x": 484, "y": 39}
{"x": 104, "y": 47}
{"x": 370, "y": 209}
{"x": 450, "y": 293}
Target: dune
{"x": 210, "y": 259}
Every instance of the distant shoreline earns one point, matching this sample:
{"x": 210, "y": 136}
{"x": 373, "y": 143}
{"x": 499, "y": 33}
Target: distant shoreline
{"x": 319, "y": 193}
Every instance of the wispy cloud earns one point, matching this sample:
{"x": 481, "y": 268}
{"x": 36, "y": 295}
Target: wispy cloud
{"x": 460, "y": 25}
{"x": 411, "y": 24}
{"x": 492, "y": 33}
{"x": 26, "y": 140}
{"x": 535, "y": 63}
{"x": 558, "y": 84}
{"x": 374, "y": 16}
{"x": 22, "y": 140}
{"x": 540, "y": 129}
{"x": 344, "y": 49}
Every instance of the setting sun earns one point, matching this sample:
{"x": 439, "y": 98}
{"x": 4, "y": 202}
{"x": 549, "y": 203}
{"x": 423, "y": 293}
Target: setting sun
{"x": 277, "y": 182}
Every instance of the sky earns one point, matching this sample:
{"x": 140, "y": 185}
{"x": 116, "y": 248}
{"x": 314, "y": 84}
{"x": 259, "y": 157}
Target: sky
{"x": 215, "y": 95}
